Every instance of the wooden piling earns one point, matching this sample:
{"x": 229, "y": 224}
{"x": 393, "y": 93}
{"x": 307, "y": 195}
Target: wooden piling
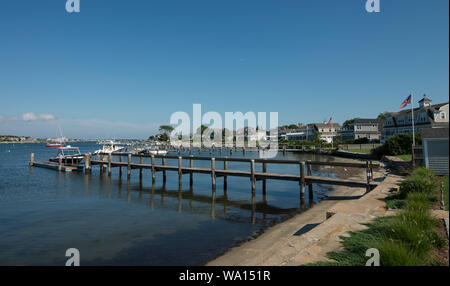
{"x": 109, "y": 164}
{"x": 310, "y": 187}
{"x": 31, "y": 159}
{"x": 264, "y": 180}
{"x": 87, "y": 164}
{"x": 180, "y": 171}
{"x": 60, "y": 164}
{"x": 164, "y": 171}
{"x": 129, "y": 167}
{"x": 225, "y": 183}
{"x": 213, "y": 172}
{"x": 253, "y": 178}
{"x": 140, "y": 169}
{"x": 153, "y": 169}
{"x": 191, "y": 175}
{"x": 302, "y": 178}
{"x": 120, "y": 168}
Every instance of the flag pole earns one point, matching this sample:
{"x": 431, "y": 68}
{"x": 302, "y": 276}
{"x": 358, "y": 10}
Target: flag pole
{"x": 412, "y": 119}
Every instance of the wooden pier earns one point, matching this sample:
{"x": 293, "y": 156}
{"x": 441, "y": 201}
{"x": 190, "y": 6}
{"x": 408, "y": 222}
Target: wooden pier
{"x": 304, "y": 176}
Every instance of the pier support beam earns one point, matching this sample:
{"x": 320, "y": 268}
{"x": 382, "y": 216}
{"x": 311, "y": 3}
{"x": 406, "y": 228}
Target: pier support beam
{"x": 109, "y": 165}
{"x": 180, "y": 171}
{"x": 164, "y": 171}
{"x": 60, "y": 164}
{"x": 153, "y": 169}
{"x": 264, "y": 180}
{"x": 213, "y": 172}
{"x": 191, "y": 175}
{"x": 129, "y": 167}
{"x": 141, "y": 161}
{"x": 253, "y": 178}
{"x": 302, "y": 179}
{"x": 87, "y": 164}
{"x": 225, "y": 183}
{"x": 120, "y": 168}
{"x": 31, "y": 159}
{"x": 310, "y": 187}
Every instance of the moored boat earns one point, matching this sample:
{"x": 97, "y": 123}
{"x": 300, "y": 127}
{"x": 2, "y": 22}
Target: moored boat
{"x": 68, "y": 155}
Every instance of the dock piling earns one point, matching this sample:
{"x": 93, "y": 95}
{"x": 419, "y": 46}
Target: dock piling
{"x": 31, "y": 159}
{"x": 129, "y": 167}
{"x": 213, "y": 172}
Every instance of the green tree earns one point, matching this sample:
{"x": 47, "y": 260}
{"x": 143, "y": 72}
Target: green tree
{"x": 166, "y": 129}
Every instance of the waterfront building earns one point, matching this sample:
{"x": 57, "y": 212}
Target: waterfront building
{"x": 362, "y": 128}
{"x": 427, "y": 115}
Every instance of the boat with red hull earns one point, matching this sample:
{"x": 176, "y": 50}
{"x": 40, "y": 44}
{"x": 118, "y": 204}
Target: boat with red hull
{"x": 55, "y": 145}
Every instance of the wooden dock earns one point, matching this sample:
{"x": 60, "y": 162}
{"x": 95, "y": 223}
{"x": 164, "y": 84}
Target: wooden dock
{"x": 55, "y": 166}
{"x": 303, "y": 177}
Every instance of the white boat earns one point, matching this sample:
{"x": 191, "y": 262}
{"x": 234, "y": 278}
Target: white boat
{"x": 68, "y": 155}
{"x": 154, "y": 149}
{"x": 109, "y": 147}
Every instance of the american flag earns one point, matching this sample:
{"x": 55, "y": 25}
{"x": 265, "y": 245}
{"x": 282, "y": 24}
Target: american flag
{"x": 406, "y": 101}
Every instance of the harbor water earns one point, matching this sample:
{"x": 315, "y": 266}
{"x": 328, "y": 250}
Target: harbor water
{"x": 112, "y": 221}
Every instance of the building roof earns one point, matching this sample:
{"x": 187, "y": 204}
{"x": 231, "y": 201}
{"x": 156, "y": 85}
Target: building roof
{"x": 327, "y": 125}
{"x": 367, "y": 120}
{"x": 425, "y": 99}
{"x": 434, "y": 132}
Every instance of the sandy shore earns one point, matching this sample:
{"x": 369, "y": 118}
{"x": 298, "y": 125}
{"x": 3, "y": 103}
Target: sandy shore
{"x": 275, "y": 245}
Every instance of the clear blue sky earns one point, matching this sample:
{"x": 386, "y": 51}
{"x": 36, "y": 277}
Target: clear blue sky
{"x": 121, "y": 68}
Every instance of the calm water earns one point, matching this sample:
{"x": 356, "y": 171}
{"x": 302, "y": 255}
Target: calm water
{"x": 113, "y": 222}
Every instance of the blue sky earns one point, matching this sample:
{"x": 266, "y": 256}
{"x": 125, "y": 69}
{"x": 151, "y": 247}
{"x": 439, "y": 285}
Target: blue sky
{"x": 121, "y": 68}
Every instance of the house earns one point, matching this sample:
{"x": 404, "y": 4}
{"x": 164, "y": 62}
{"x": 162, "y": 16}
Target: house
{"x": 426, "y": 115}
{"x": 435, "y": 149}
{"x": 362, "y": 128}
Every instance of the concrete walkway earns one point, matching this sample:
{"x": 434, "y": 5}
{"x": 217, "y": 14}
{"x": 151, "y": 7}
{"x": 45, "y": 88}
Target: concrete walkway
{"x": 307, "y": 237}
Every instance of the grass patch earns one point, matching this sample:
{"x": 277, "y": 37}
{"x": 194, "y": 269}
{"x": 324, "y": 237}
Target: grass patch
{"x": 445, "y": 180}
{"x": 407, "y": 239}
{"x": 405, "y": 157}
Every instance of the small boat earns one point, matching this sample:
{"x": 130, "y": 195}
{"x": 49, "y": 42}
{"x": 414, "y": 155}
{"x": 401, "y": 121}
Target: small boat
{"x": 154, "y": 149}
{"x": 68, "y": 155}
{"x": 59, "y": 141}
{"x": 109, "y": 147}
{"x": 55, "y": 145}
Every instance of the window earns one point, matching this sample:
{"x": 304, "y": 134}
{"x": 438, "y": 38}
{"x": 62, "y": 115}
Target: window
{"x": 442, "y": 115}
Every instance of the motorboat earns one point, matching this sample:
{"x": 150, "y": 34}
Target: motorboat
{"x": 68, "y": 155}
{"x": 154, "y": 149}
{"x": 109, "y": 146}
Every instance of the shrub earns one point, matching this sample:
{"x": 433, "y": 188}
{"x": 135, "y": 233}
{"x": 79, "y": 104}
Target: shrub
{"x": 399, "y": 144}
{"x": 422, "y": 181}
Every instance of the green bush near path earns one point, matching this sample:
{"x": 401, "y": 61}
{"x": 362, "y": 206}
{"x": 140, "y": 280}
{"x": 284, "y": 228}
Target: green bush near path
{"x": 445, "y": 180}
{"x": 407, "y": 239}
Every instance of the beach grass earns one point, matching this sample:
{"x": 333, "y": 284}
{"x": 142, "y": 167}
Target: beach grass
{"x": 407, "y": 239}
